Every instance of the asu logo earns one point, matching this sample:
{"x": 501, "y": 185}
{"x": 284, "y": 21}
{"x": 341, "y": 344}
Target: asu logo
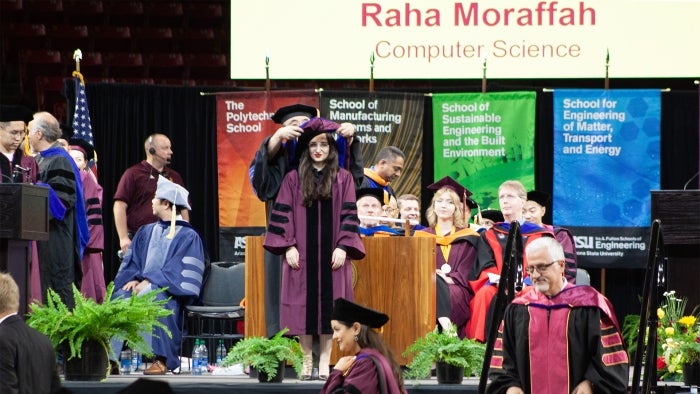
{"x": 583, "y": 242}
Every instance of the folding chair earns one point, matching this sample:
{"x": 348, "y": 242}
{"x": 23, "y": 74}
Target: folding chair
{"x": 220, "y": 313}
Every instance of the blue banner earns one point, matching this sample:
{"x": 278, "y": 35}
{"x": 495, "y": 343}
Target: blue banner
{"x": 606, "y": 160}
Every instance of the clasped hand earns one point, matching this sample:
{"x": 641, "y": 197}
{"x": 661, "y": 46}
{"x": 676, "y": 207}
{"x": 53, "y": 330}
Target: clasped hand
{"x": 136, "y": 286}
{"x": 292, "y": 257}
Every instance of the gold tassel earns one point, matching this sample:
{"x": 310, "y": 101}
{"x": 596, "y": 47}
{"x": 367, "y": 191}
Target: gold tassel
{"x": 173, "y": 219}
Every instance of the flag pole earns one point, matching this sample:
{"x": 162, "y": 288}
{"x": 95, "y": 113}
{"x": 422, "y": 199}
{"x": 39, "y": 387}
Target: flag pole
{"x": 371, "y": 73}
{"x": 607, "y": 66}
{"x": 267, "y": 73}
{"x": 483, "y": 77}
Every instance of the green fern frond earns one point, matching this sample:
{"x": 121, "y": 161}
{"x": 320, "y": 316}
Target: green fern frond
{"x": 125, "y": 318}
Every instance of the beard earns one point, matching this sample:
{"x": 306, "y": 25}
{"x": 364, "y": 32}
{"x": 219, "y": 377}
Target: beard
{"x": 542, "y": 285}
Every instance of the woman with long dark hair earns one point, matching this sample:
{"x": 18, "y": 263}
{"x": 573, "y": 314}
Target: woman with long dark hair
{"x": 314, "y": 225}
{"x": 369, "y": 366}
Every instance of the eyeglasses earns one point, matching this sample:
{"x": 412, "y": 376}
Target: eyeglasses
{"x": 540, "y": 268}
{"x": 389, "y": 210}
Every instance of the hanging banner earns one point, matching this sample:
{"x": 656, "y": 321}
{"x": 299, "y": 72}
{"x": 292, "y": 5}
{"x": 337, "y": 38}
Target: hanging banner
{"x": 606, "y": 161}
{"x": 383, "y": 119}
{"x": 243, "y": 122}
{"x": 484, "y": 139}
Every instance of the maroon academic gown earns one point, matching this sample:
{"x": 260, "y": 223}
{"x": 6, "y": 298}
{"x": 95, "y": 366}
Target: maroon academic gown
{"x": 25, "y": 161}
{"x": 363, "y": 376}
{"x": 93, "y": 284}
{"x": 548, "y": 345}
{"x": 461, "y": 259}
{"x": 307, "y": 293}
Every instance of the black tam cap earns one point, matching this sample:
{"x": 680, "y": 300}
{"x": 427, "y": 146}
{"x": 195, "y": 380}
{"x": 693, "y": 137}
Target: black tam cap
{"x": 539, "y": 197}
{"x": 450, "y": 183}
{"x": 87, "y": 149}
{"x": 12, "y": 113}
{"x": 350, "y": 312}
{"x": 376, "y": 192}
{"x": 493, "y": 214}
{"x": 314, "y": 127}
{"x": 284, "y": 113}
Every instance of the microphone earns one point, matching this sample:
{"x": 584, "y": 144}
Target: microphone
{"x": 689, "y": 180}
{"x": 21, "y": 171}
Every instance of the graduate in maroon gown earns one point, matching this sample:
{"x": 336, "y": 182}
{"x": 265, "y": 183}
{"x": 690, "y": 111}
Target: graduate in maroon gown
{"x": 455, "y": 251}
{"x": 369, "y": 366}
{"x": 13, "y": 129}
{"x": 557, "y": 338}
{"x": 93, "y": 283}
{"x": 314, "y": 225}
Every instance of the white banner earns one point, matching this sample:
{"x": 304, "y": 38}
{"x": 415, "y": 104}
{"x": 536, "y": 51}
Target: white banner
{"x": 427, "y": 39}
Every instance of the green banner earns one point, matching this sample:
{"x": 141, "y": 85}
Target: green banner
{"x": 483, "y": 139}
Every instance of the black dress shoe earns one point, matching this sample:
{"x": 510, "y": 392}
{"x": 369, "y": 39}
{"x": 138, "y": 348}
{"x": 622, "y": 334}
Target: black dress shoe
{"x": 305, "y": 377}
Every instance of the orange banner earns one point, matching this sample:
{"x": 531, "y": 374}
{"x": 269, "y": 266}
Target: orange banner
{"x": 243, "y": 121}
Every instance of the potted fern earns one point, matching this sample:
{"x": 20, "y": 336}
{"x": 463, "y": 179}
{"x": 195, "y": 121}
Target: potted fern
{"x": 452, "y": 356}
{"x": 267, "y": 355}
{"x": 83, "y": 334}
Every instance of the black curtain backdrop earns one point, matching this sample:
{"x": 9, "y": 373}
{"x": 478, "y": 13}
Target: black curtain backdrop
{"x": 124, "y": 115}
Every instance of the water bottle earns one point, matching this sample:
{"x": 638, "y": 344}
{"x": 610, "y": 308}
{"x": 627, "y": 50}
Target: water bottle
{"x": 220, "y": 352}
{"x": 196, "y": 355}
{"x": 204, "y": 360}
{"x": 134, "y": 361}
{"x": 125, "y": 358}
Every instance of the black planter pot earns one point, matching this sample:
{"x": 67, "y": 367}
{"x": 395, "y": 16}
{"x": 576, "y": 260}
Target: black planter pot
{"x": 262, "y": 376}
{"x": 448, "y": 374}
{"x": 92, "y": 365}
{"x": 691, "y": 374}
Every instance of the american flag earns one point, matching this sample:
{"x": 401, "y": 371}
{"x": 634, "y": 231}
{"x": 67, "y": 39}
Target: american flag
{"x": 82, "y": 129}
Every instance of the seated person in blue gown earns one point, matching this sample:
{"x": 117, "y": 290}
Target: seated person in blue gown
{"x": 170, "y": 254}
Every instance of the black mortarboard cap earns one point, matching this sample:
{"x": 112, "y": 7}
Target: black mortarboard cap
{"x": 284, "y": 113}
{"x": 376, "y": 192}
{"x": 87, "y": 148}
{"x": 11, "y": 113}
{"x": 450, "y": 183}
{"x": 539, "y": 197}
{"x": 493, "y": 214}
{"x": 350, "y": 312}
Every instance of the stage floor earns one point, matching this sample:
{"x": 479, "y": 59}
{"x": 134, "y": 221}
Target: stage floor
{"x": 213, "y": 384}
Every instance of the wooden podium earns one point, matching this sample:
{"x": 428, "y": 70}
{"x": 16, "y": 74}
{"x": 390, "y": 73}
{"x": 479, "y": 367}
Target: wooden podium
{"x": 397, "y": 276}
{"x": 24, "y": 216}
{"x": 680, "y": 228}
